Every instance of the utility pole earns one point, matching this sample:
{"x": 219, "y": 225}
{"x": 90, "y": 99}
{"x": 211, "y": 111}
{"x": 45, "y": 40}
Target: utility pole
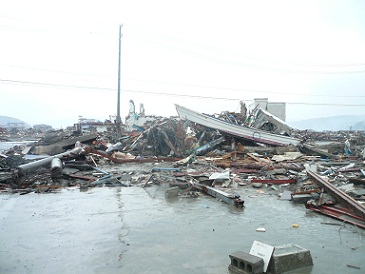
{"x": 119, "y": 120}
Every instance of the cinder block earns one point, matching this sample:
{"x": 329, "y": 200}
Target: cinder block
{"x": 242, "y": 263}
{"x": 289, "y": 257}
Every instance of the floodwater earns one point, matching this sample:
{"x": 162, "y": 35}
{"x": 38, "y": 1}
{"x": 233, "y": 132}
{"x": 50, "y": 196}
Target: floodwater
{"x": 137, "y": 230}
{"x": 8, "y": 145}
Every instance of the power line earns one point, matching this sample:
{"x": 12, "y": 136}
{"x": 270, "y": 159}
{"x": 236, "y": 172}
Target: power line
{"x": 236, "y": 58}
{"x": 53, "y": 85}
{"x": 178, "y": 84}
{"x": 179, "y": 41}
{"x": 326, "y": 104}
{"x": 240, "y": 61}
{"x": 16, "y": 82}
{"x": 250, "y": 90}
{"x": 208, "y": 53}
{"x": 182, "y": 84}
{"x": 56, "y": 71}
{"x": 56, "y": 31}
{"x": 111, "y": 89}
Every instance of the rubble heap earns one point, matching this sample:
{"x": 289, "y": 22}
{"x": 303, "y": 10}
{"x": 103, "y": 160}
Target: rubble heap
{"x": 323, "y": 170}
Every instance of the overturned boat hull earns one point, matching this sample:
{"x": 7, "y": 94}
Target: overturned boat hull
{"x": 251, "y": 134}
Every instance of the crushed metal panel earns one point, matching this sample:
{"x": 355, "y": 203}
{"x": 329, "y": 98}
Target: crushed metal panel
{"x": 219, "y": 175}
{"x": 267, "y": 121}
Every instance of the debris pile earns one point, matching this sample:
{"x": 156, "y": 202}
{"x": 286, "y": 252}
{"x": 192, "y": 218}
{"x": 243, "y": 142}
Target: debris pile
{"x": 196, "y": 154}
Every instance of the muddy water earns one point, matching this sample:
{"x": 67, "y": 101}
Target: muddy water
{"x": 136, "y": 230}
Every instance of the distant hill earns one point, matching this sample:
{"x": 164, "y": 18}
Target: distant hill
{"x": 5, "y": 121}
{"x": 343, "y": 122}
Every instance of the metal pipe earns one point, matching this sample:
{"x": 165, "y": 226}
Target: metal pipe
{"x": 47, "y": 161}
{"x": 56, "y": 167}
{"x": 165, "y": 169}
{"x": 102, "y": 171}
{"x": 103, "y": 179}
{"x": 203, "y": 149}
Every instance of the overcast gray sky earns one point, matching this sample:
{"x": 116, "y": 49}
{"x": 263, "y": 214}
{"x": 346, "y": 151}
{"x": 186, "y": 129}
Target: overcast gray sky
{"x": 59, "y": 59}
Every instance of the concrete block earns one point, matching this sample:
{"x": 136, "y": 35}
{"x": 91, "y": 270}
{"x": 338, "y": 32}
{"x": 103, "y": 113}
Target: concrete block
{"x": 301, "y": 198}
{"x": 172, "y": 192}
{"x": 289, "y": 257}
{"x": 243, "y": 263}
{"x": 50, "y": 149}
{"x": 125, "y": 177}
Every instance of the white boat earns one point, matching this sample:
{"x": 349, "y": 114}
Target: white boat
{"x": 251, "y": 134}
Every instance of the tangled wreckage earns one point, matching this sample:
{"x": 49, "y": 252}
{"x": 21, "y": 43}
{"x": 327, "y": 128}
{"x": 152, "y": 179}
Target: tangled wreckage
{"x": 198, "y": 153}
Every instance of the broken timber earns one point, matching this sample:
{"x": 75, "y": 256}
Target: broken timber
{"x": 251, "y": 134}
{"x": 342, "y": 197}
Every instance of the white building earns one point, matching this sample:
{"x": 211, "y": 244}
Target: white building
{"x": 277, "y": 109}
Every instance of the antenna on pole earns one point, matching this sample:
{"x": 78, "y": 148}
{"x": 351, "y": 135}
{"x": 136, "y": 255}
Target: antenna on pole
{"x": 119, "y": 120}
